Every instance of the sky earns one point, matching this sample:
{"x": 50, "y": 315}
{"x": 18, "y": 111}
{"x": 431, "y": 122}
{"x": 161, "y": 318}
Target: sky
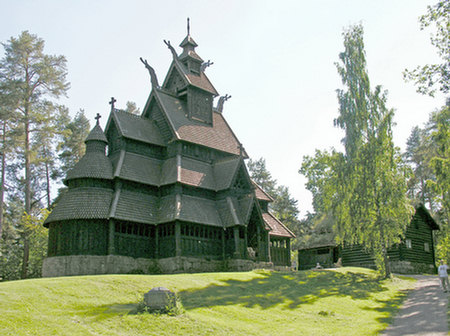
{"x": 275, "y": 58}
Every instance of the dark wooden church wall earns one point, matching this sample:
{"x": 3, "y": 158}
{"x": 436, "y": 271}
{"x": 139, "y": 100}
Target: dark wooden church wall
{"x": 145, "y": 149}
{"x": 78, "y": 237}
{"x": 115, "y": 141}
{"x": 263, "y": 252}
{"x": 280, "y": 252}
{"x": 200, "y": 240}
{"x": 166, "y": 240}
{"x": 161, "y": 122}
{"x": 134, "y": 240}
{"x": 229, "y": 243}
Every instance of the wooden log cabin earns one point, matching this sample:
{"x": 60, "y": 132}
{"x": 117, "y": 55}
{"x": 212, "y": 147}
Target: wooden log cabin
{"x": 167, "y": 191}
{"x": 415, "y": 254}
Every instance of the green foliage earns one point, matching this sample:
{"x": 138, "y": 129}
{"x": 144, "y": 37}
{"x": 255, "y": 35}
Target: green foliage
{"x": 261, "y": 175}
{"x": 320, "y": 231}
{"x": 284, "y": 206}
{"x": 350, "y": 301}
{"x": 71, "y": 146}
{"x": 440, "y": 164}
{"x": 132, "y": 108}
{"x": 33, "y": 227}
{"x": 364, "y": 189}
{"x": 428, "y": 154}
{"x": 19, "y": 227}
{"x": 34, "y": 79}
{"x": 429, "y": 77}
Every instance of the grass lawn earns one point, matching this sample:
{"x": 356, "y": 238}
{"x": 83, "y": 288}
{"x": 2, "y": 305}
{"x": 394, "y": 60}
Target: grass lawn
{"x": 347, "y": 301}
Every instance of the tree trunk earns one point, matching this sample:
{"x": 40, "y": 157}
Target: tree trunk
{"x": 47, "y": 177}
{"x": 26, "y": 245}
{"x": 2, "y": 185}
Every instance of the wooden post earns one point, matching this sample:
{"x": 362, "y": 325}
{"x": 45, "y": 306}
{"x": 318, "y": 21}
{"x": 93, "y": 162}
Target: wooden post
{"x": 177, "y": 239}
{"x": 111, "y": 237}
{"x": 288, "y": 245}
{"x": 269, "y": 255}
{"x": 237, "y": 251}
{"x": 258, "y": 244}
{"x": 223, "y": 244}
{"x": 156, "y": 241}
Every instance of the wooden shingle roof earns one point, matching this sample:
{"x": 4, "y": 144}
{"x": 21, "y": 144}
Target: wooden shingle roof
{"x": 82, "y": 203}
{"x": 135, "y": 127}
{"x": 217, "y": 136}
{"x": 96, "y": 134}
{"x": 135, "y": 206}
{"x": 200, "y": 81}
{"x": 139, "y": 168}
{"x": 91, "y": 165}
{"x": 277, "y": 228}
{"x": 261, "y": 194}
{"x": 225, "y": 171}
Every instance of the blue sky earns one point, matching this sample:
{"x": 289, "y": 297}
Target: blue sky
{"x": 276, "y": 59}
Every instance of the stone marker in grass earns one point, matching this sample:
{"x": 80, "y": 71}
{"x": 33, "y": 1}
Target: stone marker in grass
{"x": 160, "y": 298}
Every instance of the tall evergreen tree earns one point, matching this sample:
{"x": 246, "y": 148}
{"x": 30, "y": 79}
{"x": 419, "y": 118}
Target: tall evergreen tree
{"x": 34, "y": 78}
{"x": 261, "y": 175}
{"x": 71, "y": 146}
{"x": 284, "y": 206}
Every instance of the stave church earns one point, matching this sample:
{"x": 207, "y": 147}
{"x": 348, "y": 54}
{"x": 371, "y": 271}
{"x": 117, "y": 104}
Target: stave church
{"x": 167, "y": 191}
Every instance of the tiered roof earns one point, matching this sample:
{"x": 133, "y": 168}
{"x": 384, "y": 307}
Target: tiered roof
{"x": 165, "y": 120}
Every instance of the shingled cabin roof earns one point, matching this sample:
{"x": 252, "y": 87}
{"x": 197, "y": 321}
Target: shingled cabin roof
{"x": 277, "y": 228}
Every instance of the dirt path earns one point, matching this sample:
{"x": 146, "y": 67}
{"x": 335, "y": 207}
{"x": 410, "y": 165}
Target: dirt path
{"x": 424, "y": 312}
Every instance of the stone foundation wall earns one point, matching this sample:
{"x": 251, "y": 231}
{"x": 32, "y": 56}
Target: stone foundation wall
{"x": 112, "y": 264}
{"x": 408, "y": 267}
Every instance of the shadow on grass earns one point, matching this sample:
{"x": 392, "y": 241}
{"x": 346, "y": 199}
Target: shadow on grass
{"x": 288, "y": 289}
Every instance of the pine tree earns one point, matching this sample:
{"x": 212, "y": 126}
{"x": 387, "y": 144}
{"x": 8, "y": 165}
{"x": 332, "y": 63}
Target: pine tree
{"x": 34, "y": 78}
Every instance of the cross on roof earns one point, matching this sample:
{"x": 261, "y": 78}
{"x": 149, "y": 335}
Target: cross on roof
{"x": 112, "y": 103}
{"x": 97, "y": 117}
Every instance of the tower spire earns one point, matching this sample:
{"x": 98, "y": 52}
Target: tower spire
{"x": 188, "y": 27}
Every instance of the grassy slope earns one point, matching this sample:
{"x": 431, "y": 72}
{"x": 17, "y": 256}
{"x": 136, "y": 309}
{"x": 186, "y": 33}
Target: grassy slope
{"x": 349, "y": 301}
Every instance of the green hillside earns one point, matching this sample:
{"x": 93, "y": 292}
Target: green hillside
{"x": 348, "y": 301}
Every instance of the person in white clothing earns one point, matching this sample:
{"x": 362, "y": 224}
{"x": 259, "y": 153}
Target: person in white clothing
{"x": 443, "y": 275}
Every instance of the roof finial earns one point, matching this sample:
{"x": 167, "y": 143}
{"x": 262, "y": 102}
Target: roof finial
{"x": 152, "y": 72}
{"x": 112, "y": 104}
{"x": 97, "y": 117}
{"x": 221, "y": 101}
{"x": 188, "y": 27}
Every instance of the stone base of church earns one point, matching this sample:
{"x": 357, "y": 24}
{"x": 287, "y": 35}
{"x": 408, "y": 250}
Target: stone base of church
{"x": 114, "y": 264}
